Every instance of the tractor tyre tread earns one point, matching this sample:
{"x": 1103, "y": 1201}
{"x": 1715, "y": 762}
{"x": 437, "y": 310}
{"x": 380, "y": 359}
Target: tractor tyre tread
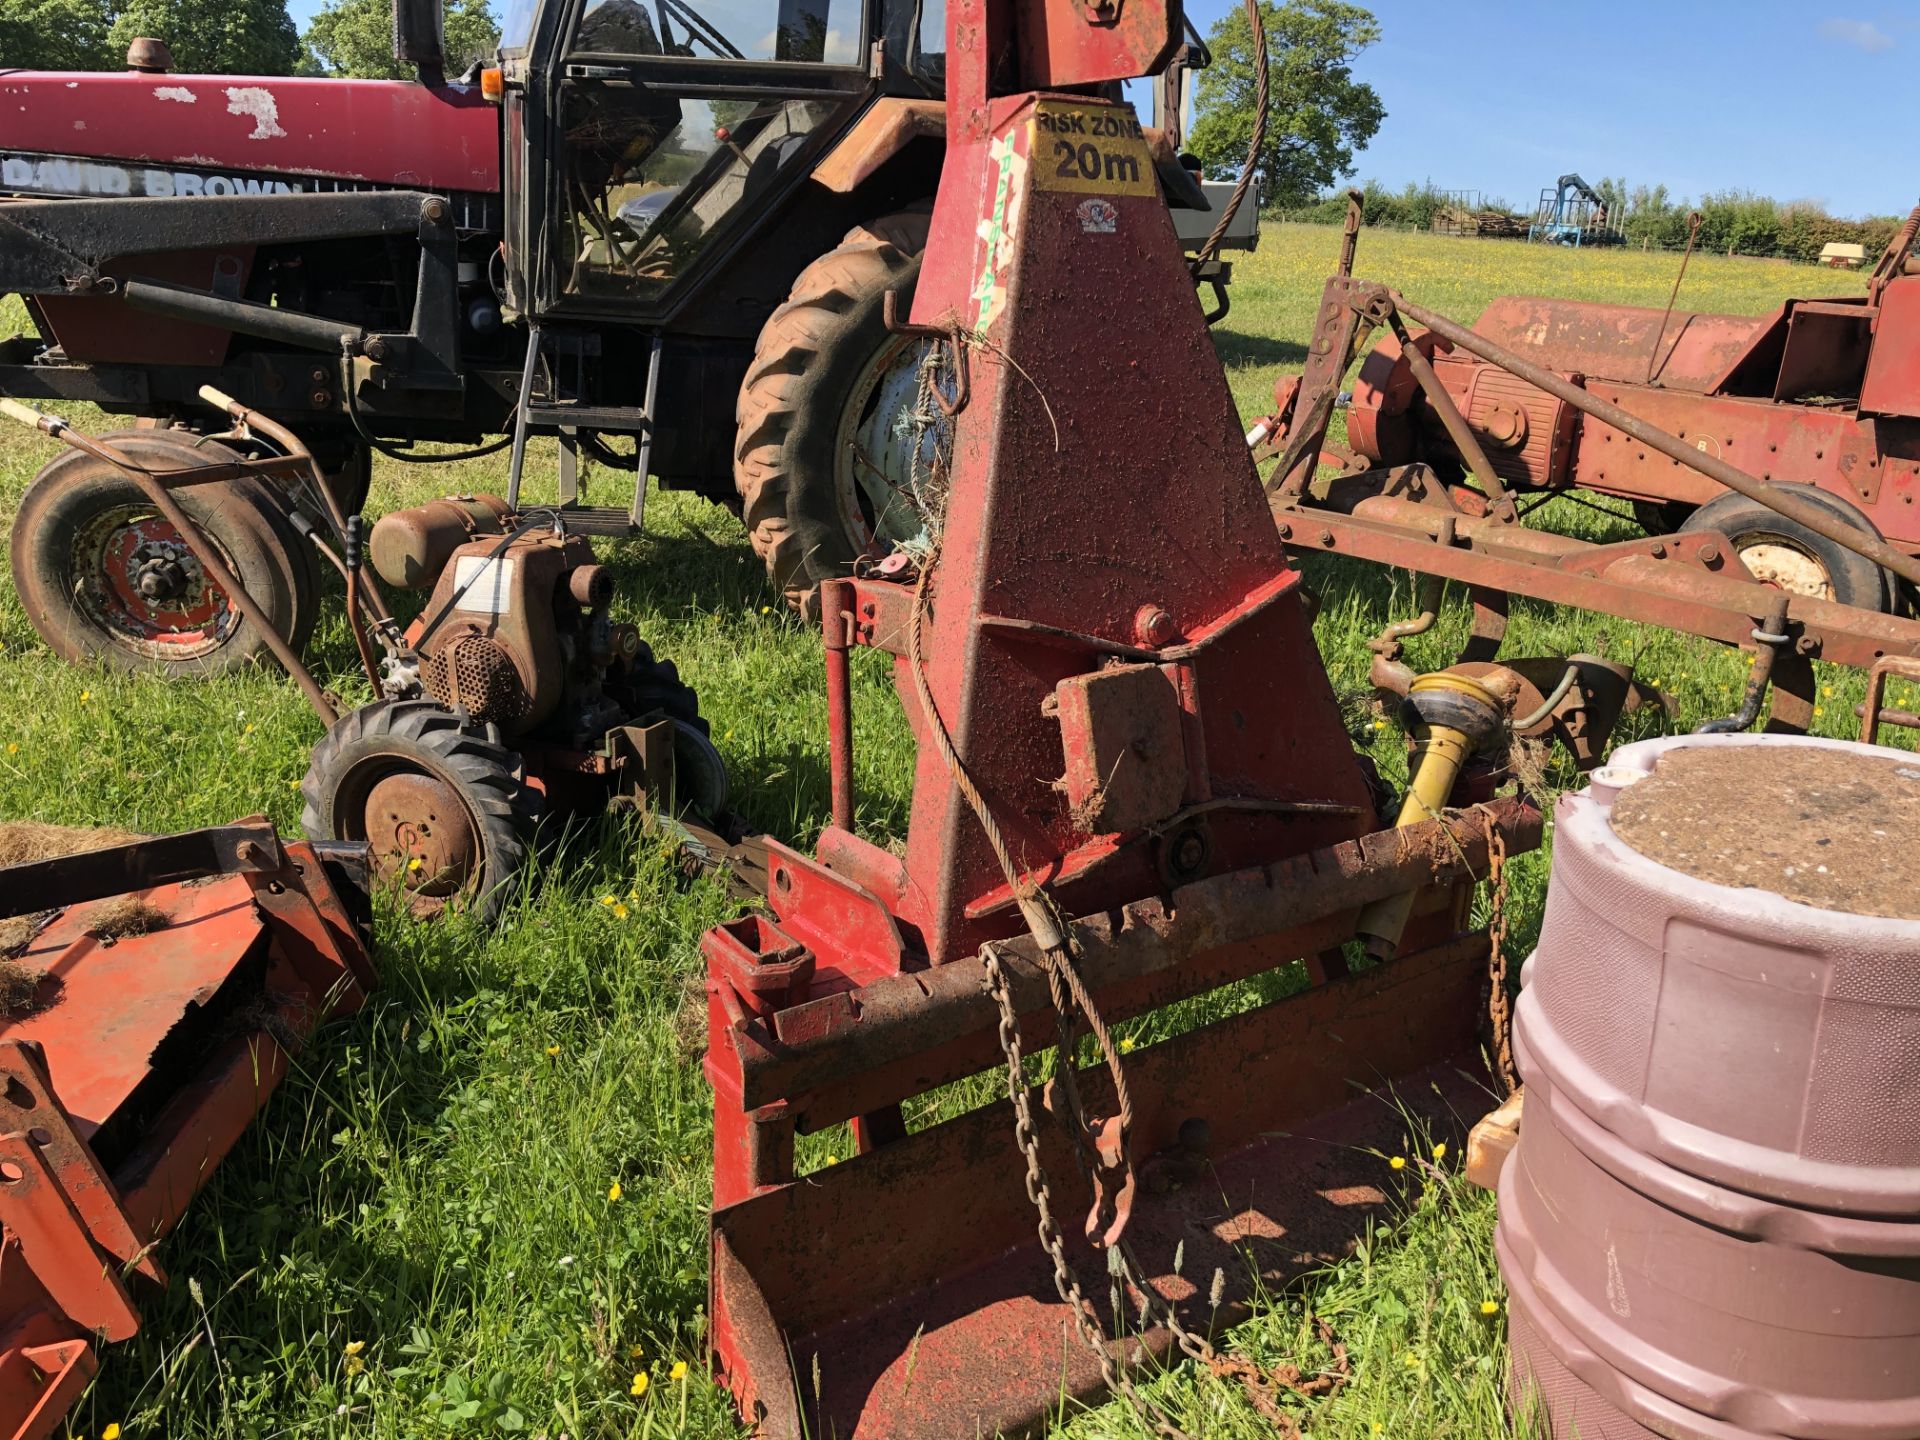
{"x": 490, "y": 778}
{"x": 783, "y": 466}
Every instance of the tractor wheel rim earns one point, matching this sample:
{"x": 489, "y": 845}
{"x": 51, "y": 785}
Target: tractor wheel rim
{"x": 423, "y": 836}
{"x": 876, "y": 453}
{"x": 1786, "y": 567}
{"x": 136, "y": 579}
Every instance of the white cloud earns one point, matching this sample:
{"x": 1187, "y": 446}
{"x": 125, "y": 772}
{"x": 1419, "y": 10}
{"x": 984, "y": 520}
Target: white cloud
{"x": 1860, "y": 34}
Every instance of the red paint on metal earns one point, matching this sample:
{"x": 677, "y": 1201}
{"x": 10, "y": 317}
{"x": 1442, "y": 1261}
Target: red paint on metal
{"x": 148, "y": 1056}
{"x": 1892, "y": 383}
{"x": 104, "y": 328}
{"x": 1757, "y": 392}
{"x": 1117, "y": 650}
{"x": 388, "y": 132}
{"x": 949, "y": 1324}
{"x": 1617, "y": 342}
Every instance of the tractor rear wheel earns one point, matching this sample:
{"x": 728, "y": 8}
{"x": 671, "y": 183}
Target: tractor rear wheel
{"x": 1788, "y": 556}
{"x": 445, "y": 806}
{"x": 104, "y": 577}
{"x": 818, "y": 458}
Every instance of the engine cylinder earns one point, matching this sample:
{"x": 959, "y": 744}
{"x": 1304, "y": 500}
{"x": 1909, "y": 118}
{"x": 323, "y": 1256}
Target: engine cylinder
{"x": 1711, "y": 1224}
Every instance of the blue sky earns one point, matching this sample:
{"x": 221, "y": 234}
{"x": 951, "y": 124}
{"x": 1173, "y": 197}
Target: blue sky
{"x": 1502, "y": 96}
{"x": 1792, "y": 100}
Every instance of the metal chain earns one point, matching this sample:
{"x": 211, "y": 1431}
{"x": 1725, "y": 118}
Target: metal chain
{"x": 1041, "y": 1196}
{"x": 1499, "y": 1005}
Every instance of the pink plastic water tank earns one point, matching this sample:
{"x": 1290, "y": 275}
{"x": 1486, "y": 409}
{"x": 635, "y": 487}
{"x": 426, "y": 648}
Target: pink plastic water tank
{"x": 1711, "y": 1225}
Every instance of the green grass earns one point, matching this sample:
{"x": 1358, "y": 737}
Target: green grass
{"x": 432, "y": 1183}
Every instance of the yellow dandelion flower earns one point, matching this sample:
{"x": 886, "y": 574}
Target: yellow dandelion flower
{"x": 1440, "y": 1151}
{"x": 354, "y": 1347}
{"x": 112, "y": 1432}
{"x": 1818, "y": 710}
{"x": 249, "y": 729}
{"x": 1378, "y": 1428}
{"x": 620, "y": 911}
{"x": 634, "y": 1352}
{"x": 606, "y": 900}
{"x": 614, "y": 1191}
{"x": 640, "y": 1383}
{"x": 415, "y": 863}
{"x": 552, "y": 1051}
{"x": 1379, "y": 724}
{"x": 85, "y": 696}
{"x": 13, "y": 749}
{"x": 1489, "y": 1307}
{"x": 293, "y": 784}
{"x": 833, "y": 1159}
{"x": 1398, "y": 1162}
{"x": 679, "y": 1371}
{"x": 766, "y": 609}
{"x": 1126, "y": 1044}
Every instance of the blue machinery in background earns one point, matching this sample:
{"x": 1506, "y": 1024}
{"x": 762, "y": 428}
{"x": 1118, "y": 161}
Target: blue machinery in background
{"x": 1572, "y": 213}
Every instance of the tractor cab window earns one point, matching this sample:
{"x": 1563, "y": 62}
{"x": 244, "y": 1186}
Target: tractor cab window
{"x": 653, "y": 181}
{"x": 678, "y": 120}
{"x": 803, "y": 32}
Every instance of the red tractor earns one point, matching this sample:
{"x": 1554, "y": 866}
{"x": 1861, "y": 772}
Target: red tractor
{"x": 665, "y": 241}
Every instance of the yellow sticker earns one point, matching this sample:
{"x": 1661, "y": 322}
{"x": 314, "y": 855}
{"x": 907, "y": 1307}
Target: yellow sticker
{"x": 1089, "y": 149}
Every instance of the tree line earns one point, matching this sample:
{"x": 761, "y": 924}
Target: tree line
{"x": 229, "y": 37}
{"x": 1735, "y": 221}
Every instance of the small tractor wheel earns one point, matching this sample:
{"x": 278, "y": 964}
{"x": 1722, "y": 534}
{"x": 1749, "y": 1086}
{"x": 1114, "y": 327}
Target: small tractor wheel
{"x": 818, "y": 459}
{"x": 653, "y": 688}
{"x": 104, "y": 577}
{"x": 1791, "y": 557}
{"x": 443, "y": 803}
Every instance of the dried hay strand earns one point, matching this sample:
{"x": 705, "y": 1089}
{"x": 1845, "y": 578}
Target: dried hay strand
{"x": 24, "y": 841}
{"x": 123, "y": 916}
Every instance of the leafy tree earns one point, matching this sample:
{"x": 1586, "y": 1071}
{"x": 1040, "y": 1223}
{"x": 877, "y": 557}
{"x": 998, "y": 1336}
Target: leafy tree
{"x": 355, "y": 37}
{"x": 54, "y": 35}
{"x": 214, "y": 37}
{"x": 1318, "y": 113}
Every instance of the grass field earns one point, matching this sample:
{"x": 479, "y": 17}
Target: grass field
{"x": 479, "y": 1207}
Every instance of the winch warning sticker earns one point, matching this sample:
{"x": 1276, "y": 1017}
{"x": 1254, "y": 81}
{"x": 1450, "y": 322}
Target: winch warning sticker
{"x": 1089, "y": 149}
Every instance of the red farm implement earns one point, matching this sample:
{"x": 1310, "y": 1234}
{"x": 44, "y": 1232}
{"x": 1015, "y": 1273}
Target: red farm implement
{"x": 158, "y": 991}
{"x": 1816, "y": 404}
{"x": 1455, "y": 432}
{"x": 1133, "y": 789}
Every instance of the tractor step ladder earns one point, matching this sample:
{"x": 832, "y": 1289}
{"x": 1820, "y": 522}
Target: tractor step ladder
{"x": 567, "y": 419}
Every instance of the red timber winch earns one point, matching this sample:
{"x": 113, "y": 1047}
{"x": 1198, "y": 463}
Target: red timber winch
{"x": 1133, "y": 789}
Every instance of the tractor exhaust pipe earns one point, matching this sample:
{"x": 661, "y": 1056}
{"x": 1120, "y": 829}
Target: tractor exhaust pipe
{"x": 419, "y": 38}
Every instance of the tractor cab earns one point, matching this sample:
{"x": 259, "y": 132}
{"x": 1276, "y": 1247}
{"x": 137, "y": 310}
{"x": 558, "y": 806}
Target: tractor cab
{"x": 645, "y": 138}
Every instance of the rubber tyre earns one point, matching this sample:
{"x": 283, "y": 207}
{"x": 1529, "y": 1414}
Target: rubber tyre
{"x": 652, "y": 688}
{"x": 242, "y": 517}
{"x": 1855, "y": 579}
{"x": 398, "y": 737}
{"x": 813, "y": 358}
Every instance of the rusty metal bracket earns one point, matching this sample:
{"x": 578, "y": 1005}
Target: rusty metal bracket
{"x": 32, "y": 1115}
{"x": 953, "y": 337}
{"x": 247, "y": 845}
{"x": 1873, "y": 714}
